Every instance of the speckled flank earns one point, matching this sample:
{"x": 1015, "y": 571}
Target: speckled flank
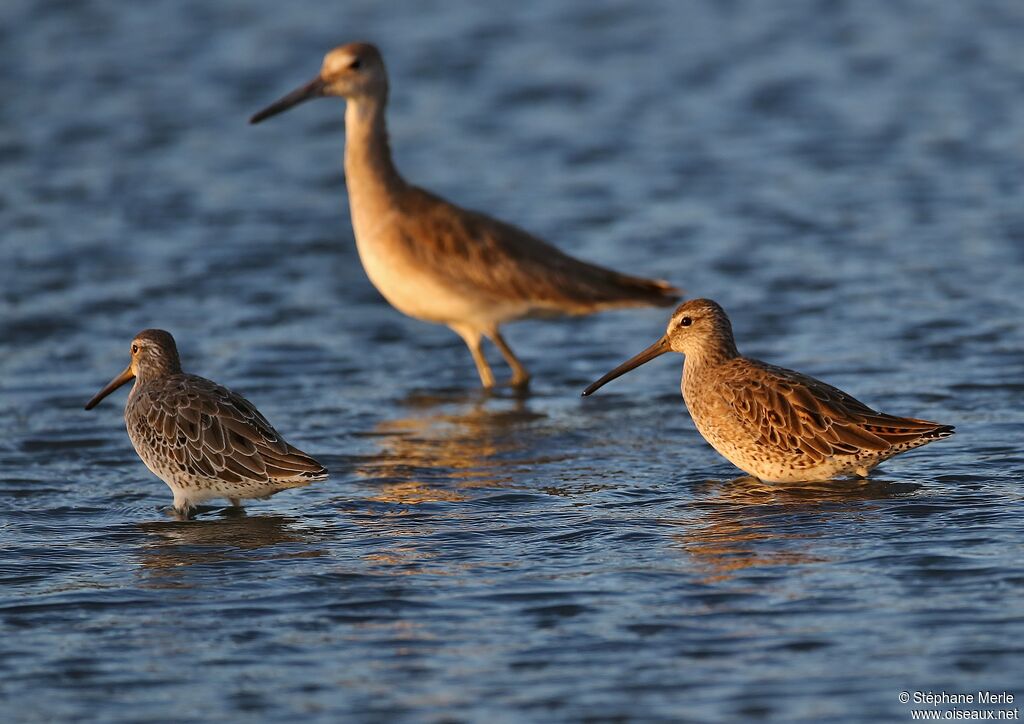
{"x": 438, "y": 262}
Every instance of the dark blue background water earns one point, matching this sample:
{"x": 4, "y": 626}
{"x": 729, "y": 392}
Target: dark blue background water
{"x": 844, "y": 177}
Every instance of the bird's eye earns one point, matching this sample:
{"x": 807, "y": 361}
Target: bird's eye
{"x": 135, "y": 349}
{"x": 685, "y": 322}
{"x": 354, "y": 65}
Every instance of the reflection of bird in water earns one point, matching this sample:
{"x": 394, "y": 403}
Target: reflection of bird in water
{"x": 466, "y": 441}
{"x": 172, "y": 547}
{"x": 745, "y": 523}
{"x": 445, "y": 449}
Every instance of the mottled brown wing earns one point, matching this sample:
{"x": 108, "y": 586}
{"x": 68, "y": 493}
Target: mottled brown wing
{"x": 485, "y": 255}
{"x": 218, "y": 433}
{"x": 795, "y": 413}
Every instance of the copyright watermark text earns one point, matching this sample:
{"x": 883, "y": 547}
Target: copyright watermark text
{"x": 961, "y": 706}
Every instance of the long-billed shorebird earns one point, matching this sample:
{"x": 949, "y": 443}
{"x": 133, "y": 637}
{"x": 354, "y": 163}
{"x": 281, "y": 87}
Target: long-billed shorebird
{"x": 775, "y": 424}
{"x": 203, "y": 440}
{"x": 435, "y": 261}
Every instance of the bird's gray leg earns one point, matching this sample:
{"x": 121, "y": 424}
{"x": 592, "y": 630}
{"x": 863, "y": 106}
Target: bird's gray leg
{"x": 520, "y": 377}
{"x": 184, "y": 508}
{"x": 473, "y": 340}
{"x": 235, "y": 502}
{"x": 184, "y": 512}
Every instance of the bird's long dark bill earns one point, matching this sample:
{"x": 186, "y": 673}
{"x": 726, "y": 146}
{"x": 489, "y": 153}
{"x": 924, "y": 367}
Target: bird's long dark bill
{"x": 655, "y": 350}
{"x": 313, "y": 89}
{"x": 124, "y": 377}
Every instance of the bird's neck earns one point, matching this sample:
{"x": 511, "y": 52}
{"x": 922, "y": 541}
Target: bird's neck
{"x": 151, "y": 370}
{"x": 713, "y": 351}
{"x": 370, "y": 173}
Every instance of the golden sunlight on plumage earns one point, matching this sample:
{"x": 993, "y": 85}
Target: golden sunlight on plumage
{"x": 439, "y": 262}
{"x": 775, "y": 424}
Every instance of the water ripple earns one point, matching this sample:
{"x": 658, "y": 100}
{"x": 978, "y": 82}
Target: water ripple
{"x": 844, "y": 177}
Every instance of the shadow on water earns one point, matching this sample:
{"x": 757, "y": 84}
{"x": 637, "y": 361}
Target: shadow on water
{"x": 746, "y": 523}
{"x": 170, "y": 548}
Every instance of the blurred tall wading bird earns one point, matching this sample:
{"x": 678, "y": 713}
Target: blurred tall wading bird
{"x": 435, "y": 261}
{"x": 203, "y": 440}
{"x": 775, "y": 424}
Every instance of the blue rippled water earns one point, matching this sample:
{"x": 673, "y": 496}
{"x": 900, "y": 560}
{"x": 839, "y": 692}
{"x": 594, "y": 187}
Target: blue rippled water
{"x": 845, "y": 178}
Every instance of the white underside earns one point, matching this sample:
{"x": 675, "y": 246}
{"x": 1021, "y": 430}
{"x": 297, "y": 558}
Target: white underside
{"x": 413, "y": 291}
{"x": 189, "y": 496}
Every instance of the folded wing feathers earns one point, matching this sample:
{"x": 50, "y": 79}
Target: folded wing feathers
{"x": 796, "y": 412}
{"x": 509, "y": 263}
{"x": 221, "y": 435}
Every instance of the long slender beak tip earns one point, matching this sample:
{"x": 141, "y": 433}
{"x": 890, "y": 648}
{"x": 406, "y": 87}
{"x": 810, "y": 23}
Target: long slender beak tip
{"x": 263, "y": 115}
{"x": 95, "y": 400}
{"x": 313, "y": 89}
{"x": 655, "y": 350}
{"x": 118, "y": 381}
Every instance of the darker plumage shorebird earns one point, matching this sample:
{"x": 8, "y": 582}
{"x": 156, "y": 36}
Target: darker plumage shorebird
{"x": 435, "y": 261}
{"x": 203, "y": 440}
{"x": 775, "y": 424}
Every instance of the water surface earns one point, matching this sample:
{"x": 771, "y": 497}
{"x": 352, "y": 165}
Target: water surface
{"x": 844, "y": 178}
